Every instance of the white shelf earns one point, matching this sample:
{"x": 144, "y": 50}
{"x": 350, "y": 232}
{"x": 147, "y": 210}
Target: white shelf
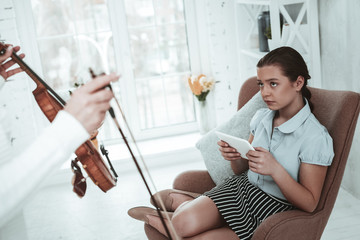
{"x": 304, "y": 38}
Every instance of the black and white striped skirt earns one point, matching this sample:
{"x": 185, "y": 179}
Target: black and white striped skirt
{"x": 244, "y": 206}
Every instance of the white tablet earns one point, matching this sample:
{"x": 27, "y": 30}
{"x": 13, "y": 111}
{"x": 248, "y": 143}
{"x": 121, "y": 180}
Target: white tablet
{"x": 241, "y": 145}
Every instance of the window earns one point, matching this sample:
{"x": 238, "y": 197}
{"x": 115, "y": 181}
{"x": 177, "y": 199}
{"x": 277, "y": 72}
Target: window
{"x": 144, "y": 40}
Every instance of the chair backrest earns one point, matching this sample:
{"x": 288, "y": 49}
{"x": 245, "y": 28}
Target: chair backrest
{"x": 247, "y": 91}
{"x": 338, "y": 111}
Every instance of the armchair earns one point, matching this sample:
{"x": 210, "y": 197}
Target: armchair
{"x": 338, "y": 111}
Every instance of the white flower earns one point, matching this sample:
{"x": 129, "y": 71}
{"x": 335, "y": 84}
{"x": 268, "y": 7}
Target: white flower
{"x": 206, "y": 83}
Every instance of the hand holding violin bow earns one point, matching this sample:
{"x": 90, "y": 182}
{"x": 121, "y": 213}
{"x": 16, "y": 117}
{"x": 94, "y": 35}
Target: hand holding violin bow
{"x": 90, "y": 102}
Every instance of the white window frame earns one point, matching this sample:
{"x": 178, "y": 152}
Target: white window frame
{"x": 117, "y": 15}
{"x": 198, "y": 54}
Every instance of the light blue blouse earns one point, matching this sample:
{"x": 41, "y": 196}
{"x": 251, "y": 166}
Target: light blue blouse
{"x": 301, "y": 139}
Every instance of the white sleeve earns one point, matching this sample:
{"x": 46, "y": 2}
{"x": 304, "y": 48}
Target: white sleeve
{"x": 22, "y": 175}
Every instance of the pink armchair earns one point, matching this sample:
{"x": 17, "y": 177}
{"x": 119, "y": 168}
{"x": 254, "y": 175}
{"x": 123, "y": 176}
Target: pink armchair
{"x": 338, "y": 111}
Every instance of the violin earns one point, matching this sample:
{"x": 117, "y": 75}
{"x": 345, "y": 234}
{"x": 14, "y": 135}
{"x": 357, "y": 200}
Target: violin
{"x": 51, "y": 103}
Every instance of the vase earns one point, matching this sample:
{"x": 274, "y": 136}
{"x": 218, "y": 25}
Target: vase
{"x": 264, "y": 29}
{"x": 263, "y": 26}
{"x": 203, "y": 116}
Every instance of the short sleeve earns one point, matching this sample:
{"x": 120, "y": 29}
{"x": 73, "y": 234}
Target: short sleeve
{"x": 254, "y": 123}
{"x": 318, "y": 150}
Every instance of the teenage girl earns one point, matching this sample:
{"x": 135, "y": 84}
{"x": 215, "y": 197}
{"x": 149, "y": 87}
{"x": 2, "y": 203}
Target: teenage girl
{"x": 286, "y": 170}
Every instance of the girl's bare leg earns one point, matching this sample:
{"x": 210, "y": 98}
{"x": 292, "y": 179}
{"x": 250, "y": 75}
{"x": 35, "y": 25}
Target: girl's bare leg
{"x": 179, "y": 199}
{"x": 192, "y": 218}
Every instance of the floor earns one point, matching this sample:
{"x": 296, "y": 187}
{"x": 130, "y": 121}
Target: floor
{"x": 57, "y": 213}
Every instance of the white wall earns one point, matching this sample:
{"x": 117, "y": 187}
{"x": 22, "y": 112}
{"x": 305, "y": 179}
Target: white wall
{"x": 223, "y": 56}
{"x": 16, "y": 97}
{"x": 340, "y": 56}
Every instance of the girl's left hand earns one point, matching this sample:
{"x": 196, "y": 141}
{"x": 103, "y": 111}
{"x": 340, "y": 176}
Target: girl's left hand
{"x": 262, "y": 161}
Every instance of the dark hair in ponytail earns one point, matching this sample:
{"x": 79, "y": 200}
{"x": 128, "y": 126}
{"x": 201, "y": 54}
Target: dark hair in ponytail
{"x": 292, "y": 64}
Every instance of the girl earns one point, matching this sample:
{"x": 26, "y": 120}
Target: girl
{"x": 286, "y": 170}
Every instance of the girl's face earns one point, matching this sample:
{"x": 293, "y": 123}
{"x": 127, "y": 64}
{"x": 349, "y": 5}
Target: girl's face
{"x": 277, "y": 91}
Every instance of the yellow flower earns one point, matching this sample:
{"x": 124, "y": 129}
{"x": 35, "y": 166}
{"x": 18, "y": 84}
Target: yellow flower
{"x": 195, "y": 86}
{"x": 200, "y": 86}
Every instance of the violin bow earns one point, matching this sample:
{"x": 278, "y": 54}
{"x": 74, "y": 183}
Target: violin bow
{"x": 116, "y": 122}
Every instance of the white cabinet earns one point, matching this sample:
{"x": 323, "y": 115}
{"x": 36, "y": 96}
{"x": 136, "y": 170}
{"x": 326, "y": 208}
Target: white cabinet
{"x": 298, "y": 29}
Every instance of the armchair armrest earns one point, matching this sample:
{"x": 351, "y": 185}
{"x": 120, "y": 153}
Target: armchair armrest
{"x": 294, "y": 224}
{"x": 198, "y": 181}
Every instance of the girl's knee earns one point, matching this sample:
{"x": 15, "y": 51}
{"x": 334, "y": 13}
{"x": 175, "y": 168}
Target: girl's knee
{"x": 185, "y": 223}
{"x": 195, "y": 217}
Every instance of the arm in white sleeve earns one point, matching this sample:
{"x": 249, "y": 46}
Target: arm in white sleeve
{"x": 22, "y": 175}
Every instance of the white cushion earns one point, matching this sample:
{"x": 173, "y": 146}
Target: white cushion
{"x": 239, "y": 126}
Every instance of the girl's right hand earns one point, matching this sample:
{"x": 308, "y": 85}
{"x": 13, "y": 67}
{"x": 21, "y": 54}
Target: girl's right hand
{"x": 228, "y": 153}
